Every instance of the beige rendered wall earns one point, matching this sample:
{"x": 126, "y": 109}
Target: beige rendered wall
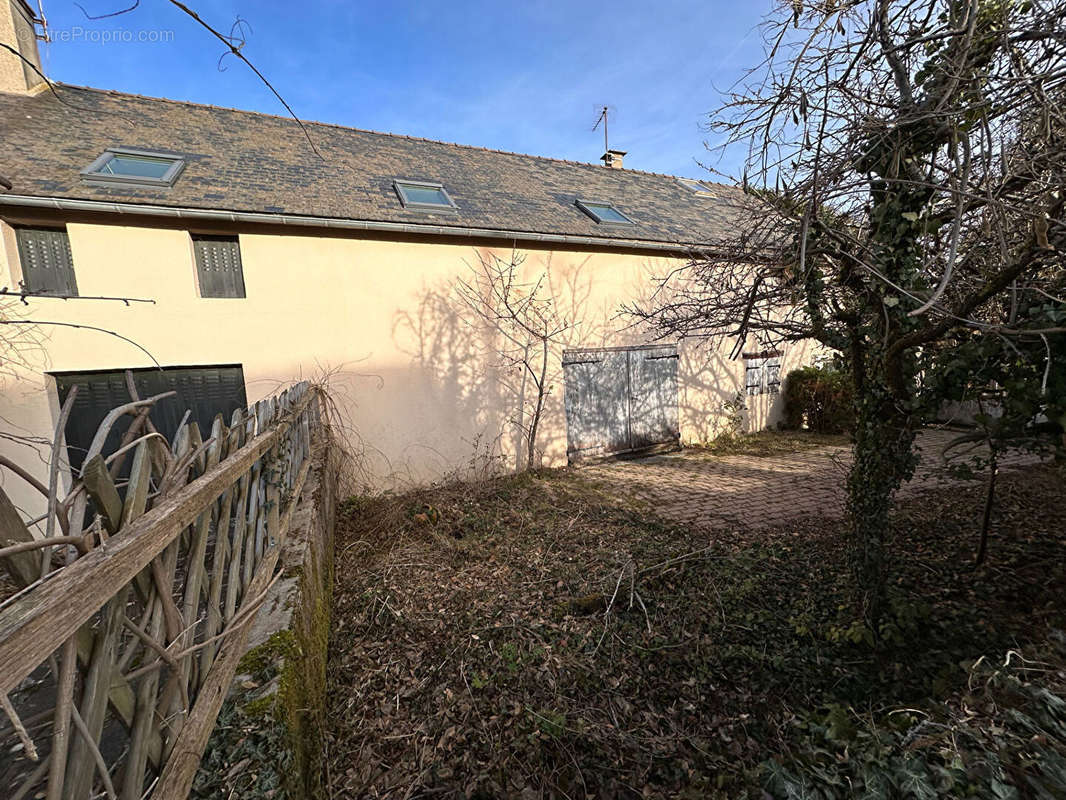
{"x": 418, "y": 381}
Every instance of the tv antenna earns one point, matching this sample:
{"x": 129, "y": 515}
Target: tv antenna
{"x": 604, "y": 112}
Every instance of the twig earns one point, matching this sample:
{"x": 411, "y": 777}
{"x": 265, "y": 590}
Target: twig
{"x": 610, "y": 605}
{"x": 33, "y": 779}
{"x": 25, "y": 297}
{"x": 20, "y": 729}
{"x": 98, "y": 758}
{"x": 24, "y": 474}
{"x": 245, "y": 615}
{"x": 36, "y": 544}
{"x": 84, "y": 327}
{"x": 53, "y": 479}
{"x": 236, "y": 50}
{"x": 52, "y": 86}
{"x": 112, "y": 14}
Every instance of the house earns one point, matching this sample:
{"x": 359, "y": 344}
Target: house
{"x": 264, "y": 261}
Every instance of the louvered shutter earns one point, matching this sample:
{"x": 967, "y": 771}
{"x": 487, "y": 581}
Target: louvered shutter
{"x": 773, "y": 375}
{"x": 47, "y": 265}
{"x": 753, "y": 375}
{"x": 762, "y": 375}
{"x": 218, "y": 266}
{"x": 203, "y": 391}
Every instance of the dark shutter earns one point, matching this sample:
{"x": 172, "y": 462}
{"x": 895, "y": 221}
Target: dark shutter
{"x": 203, "y": 391}
{"x": 218, "y": 266}
{"x": 47, "y": 265}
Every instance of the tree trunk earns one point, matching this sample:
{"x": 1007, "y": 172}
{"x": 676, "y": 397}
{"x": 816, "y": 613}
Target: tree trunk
{"x": 982, "y": 547}
{"x": 534, "y": 423}
{"x": 885, "y": 382}
{"x": 884, "y": 458}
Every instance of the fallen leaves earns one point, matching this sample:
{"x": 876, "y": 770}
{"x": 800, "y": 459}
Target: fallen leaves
{"x": 464, "y": 656}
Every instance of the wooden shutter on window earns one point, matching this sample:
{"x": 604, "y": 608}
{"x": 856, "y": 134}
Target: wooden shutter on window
{"x": 773, "y": 375}
{"x": 218, "y": 266}
{"x": 47, "y": 265}
{"x": 753, "y": 376}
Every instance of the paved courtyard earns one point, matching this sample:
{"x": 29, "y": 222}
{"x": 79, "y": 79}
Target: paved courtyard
{"x": 700, "y": 490}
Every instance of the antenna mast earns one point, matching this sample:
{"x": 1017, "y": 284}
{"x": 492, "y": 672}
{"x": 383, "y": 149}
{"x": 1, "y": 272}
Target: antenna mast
{"x": 602, "y": 118}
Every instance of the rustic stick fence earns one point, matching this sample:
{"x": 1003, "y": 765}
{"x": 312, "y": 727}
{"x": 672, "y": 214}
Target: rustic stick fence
{"x": 114, "y": 664}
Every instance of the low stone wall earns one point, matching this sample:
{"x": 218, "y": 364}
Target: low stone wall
{"x": 267, "y": 741}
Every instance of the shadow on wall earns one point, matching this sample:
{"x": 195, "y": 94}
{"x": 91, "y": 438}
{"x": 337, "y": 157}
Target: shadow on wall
{"x": 475, "y": 341}
{"x": 713, "y": 391}
{"x": 480, "y": 338}
{"x": 709, "y": 380}
{"x": 461, "y": 393}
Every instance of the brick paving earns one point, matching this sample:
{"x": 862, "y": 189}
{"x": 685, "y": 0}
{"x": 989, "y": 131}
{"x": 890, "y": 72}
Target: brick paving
{"x": 756, "y": 492}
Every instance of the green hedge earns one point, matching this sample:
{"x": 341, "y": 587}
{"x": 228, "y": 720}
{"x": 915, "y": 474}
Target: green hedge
{"x": 820, "y": 398}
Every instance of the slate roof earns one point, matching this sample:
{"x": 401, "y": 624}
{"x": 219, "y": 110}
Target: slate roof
{"x": 251, "y": 162}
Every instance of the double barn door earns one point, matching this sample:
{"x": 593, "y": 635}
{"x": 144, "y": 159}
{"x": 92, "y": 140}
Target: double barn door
{"x": 620, "y": 400}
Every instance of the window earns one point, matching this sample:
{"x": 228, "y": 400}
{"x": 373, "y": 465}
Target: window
{"x": 604, "y": 213}
{"x": 699, "y": 187}
{"x": 421, "y": 196}
{"x": 218, "y": 265}
{"x": 134, "y": 166}
{"x": 762, "y": 373}
{"x": 47, "y": 265}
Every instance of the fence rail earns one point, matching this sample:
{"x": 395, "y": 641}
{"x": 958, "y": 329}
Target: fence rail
{"x": 113, "y": 666}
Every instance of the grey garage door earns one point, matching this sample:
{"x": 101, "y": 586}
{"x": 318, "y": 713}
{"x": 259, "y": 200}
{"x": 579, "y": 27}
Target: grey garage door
{"x": 203, "y": 391}
{"x": 620, "y": 399}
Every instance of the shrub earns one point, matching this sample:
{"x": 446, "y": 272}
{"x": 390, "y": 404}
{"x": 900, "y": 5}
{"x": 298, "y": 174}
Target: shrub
{"x": 821, "y": 398}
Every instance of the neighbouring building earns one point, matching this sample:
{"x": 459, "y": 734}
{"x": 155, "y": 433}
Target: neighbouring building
{"x": 266, "y": 262}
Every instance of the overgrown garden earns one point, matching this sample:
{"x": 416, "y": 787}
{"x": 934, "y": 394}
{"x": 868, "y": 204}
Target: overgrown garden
{"x": 538, "y": 636}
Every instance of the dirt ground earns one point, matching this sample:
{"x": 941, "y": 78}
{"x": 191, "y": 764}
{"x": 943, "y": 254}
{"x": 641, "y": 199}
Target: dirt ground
{"x": 547, "y": 635}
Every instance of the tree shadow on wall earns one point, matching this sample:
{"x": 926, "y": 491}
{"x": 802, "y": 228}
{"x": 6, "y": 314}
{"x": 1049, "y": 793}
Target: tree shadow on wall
{"x": 709, "y": 379}
{"x": 459, "y": 388}
{"x": 473, "y": 339}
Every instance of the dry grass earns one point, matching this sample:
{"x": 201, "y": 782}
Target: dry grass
{"x": 472, "y": 656}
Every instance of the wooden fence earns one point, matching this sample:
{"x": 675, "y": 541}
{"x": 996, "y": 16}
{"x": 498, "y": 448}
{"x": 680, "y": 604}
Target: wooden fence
{"x": 114, "y": 664}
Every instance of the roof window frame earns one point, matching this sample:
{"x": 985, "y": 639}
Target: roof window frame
{"x": 92, "y": 172}
{"x": 703, "y": 191}
{"x": 586, "y": 205}
{"x": 416, "y": 205}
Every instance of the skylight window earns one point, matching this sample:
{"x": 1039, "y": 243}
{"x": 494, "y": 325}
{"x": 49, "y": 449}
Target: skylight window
{"x": 604, "y": 213}
{"x": 699, "y": 187}
{"x": 134, "y": 166}
{"x": 422, "y": 196}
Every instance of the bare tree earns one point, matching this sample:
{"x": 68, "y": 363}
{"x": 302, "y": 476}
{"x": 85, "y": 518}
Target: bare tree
{"x": 525, "y": 320}
{"x": 906, "y": 175}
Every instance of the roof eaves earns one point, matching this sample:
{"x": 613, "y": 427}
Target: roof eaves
{"x": 296, "y": 220}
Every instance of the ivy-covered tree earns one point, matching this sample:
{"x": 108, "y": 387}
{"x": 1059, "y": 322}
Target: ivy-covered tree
{"x": 906, "y": 180}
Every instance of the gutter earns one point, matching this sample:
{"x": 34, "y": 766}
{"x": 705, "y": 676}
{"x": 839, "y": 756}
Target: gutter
{"x": 290, "y": 220}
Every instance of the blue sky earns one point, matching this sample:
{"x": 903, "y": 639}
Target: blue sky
{"x": 528, "y": 77}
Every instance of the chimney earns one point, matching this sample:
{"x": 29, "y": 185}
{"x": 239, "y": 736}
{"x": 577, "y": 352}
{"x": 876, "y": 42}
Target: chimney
{"x": 17, "y": 30}
{"x": 613, "y": 159}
